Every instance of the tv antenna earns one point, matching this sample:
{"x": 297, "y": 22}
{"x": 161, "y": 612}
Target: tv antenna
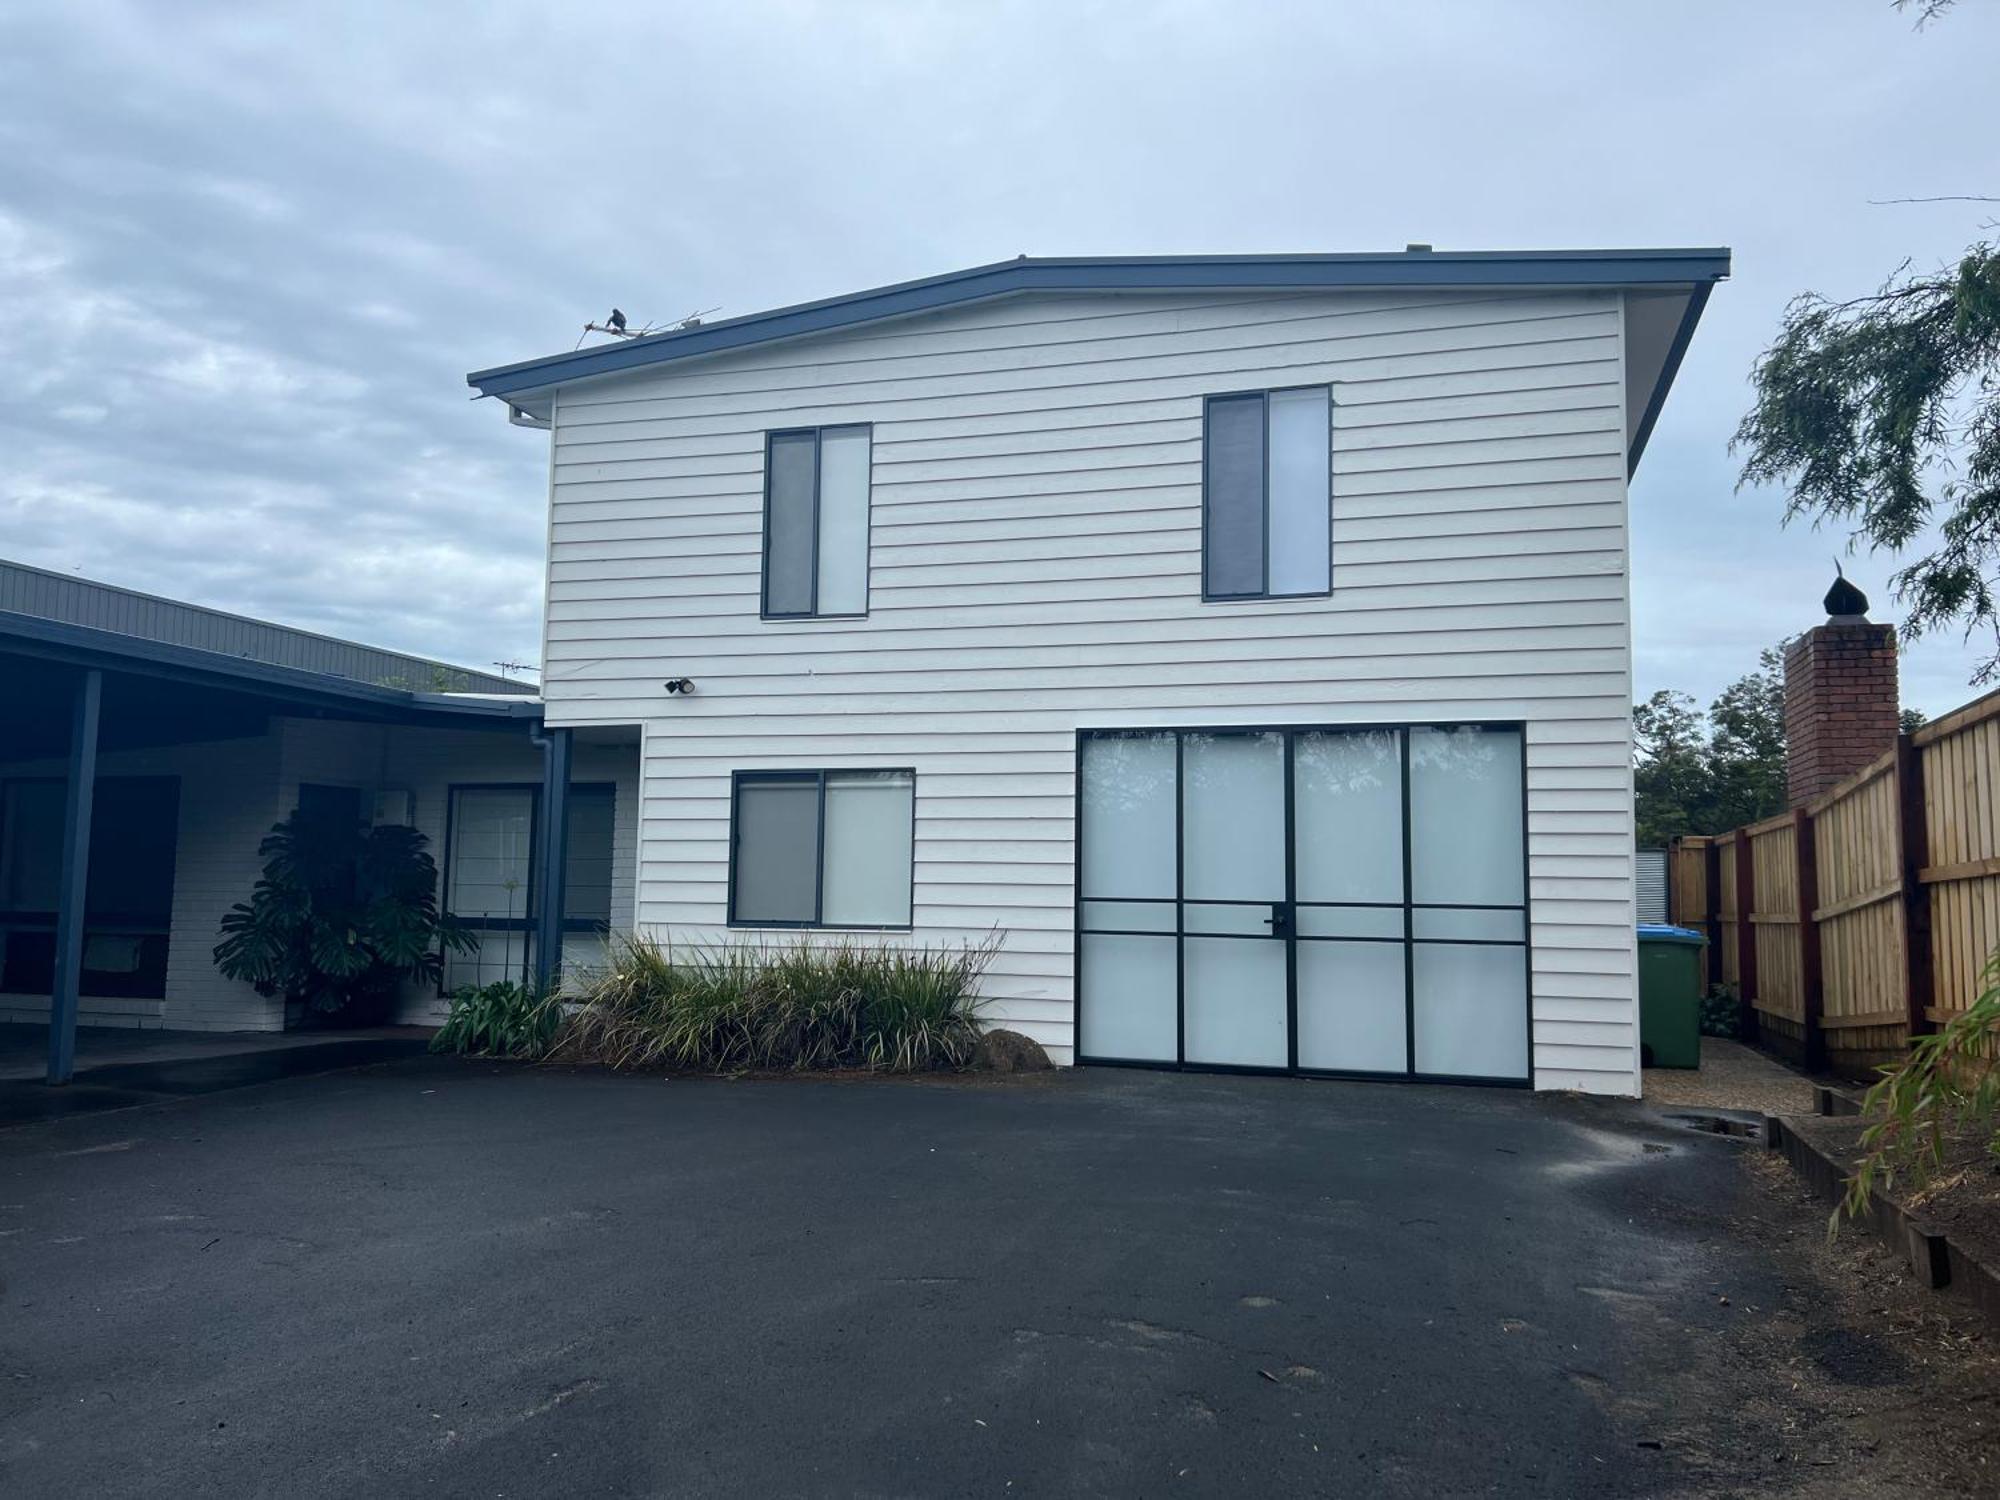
{"x": 617, "y": 326}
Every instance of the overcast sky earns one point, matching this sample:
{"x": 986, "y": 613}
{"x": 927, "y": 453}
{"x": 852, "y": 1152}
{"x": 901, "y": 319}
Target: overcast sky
{"x": 248, "y": 254}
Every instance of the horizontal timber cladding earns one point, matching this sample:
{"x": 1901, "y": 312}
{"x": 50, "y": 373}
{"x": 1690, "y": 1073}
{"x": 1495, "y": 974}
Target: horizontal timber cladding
{"x": 1035, "y": 568}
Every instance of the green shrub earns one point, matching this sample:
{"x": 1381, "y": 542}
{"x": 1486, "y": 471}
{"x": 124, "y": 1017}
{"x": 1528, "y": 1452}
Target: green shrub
{"x": 1721, "y": 1013}
{"x": 1950, "y": 1081}
{"x": 342, "y": 916}
{"x": 724, "y": 1007}
{"x": 504, "y": 1019}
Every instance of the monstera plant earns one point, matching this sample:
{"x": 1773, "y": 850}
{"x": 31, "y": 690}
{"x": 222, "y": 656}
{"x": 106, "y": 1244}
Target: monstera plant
{"x": 342, "y": 916}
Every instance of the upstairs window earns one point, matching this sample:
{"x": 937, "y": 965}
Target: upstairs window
{"x": 1266, "y": 494}
{"x": 816, "y": 523}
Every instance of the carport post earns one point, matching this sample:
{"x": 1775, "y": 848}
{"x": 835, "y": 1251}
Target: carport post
{"x": 554, "y": 839}
{"x": 77, "y": 801}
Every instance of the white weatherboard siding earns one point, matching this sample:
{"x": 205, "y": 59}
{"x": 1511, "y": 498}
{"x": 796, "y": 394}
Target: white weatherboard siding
{"x": 1036, "y": 568}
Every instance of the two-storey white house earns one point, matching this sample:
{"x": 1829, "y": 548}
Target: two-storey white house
{"x": 1247, "y": 638}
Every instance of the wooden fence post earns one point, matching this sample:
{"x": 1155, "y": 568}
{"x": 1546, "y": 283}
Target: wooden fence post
{"x": 1812, "y": 991}
{"x": 1746, "y": 939}
{"x": 1914, "y": 832}
{"x": 1711, "y": 916}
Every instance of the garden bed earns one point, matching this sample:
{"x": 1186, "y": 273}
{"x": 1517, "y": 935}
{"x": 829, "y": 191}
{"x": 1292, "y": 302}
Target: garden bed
{"x": 1962, "y": 1200}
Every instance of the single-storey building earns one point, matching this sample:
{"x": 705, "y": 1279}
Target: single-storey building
{"x": 147, "y": 746}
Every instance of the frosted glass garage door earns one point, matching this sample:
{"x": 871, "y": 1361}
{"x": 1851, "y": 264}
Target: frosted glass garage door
{"x": 1320, "y": 900}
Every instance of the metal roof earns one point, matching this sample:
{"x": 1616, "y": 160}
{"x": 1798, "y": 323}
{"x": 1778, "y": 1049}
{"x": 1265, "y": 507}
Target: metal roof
{"x": 47, "y": 595}
{"x": 1416, "y": 267}
{"x": 298, "y": 689}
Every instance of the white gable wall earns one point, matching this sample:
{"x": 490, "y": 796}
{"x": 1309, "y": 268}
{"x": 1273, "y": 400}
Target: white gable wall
{"x": 1036, "y": 568}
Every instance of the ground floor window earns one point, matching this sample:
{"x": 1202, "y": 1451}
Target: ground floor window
{"x": 1322, "y": 900}
{"x": 490, "y": 867}
{"x": 822, "y": 848}
{"x": 128, "y": 905}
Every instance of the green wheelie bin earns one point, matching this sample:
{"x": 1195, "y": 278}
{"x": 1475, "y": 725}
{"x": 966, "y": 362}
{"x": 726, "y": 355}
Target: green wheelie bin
{"x": 1670, "y": 970}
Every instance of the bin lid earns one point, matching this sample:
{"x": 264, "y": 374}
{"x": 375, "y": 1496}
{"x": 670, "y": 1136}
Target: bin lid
{"x": 1666, "y": 932}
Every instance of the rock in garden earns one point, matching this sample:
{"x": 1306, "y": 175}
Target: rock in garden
{"x": 1003, "y": 1051}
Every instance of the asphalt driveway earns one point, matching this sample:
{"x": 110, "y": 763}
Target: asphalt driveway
{"x": 480, "y": 1280}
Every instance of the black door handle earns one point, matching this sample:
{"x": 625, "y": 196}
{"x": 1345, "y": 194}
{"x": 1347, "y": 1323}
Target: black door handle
{"x": 1280, "y": 920}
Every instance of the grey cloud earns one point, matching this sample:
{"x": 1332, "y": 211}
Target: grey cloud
{"x": 247, "y": 255}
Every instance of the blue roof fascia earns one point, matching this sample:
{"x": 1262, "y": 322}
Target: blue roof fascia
{"x": 1424, "y": 268}
{"x": 86, "y": 646}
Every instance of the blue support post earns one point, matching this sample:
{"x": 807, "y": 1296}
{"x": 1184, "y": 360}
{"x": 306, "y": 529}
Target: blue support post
{"x": 554, "y": 844}
{"x": 80, "y": 793}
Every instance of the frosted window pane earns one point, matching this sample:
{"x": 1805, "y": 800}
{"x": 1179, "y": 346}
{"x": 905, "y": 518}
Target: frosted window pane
{"x": 1233, "y": 495}
{"x": 1349, "y": 921}
{"x": 788, "y": 543}
{"x": 1483, "y": 926}
{"x": 1233, "y": 826}
{"x": 777, "y": 850}
{"x": 1247, "y": 921}
{"x": 1235, "y": 997}
{"x": 1351, "y": 1007}
{"x": 843, "y": 521}
{"x": 1471, "y": 1011}
{"x": 868, "y": 851}
{"x": 1128, "y": 999}
{"x": 1128, "y": 916}
{"x": 1348, "y": 810}
{"x": 1301, "y": 492}
{"x": 1128, "y": 816}
{"x": 1465, "y": 815}
{"x": 492, "y": 833}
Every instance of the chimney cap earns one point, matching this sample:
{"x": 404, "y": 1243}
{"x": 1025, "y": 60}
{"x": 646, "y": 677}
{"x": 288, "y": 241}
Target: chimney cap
{"x": 1845, "y": 604}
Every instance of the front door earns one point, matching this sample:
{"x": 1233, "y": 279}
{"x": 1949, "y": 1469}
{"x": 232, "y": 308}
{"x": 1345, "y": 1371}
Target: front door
{"x": 1346, "y": 901}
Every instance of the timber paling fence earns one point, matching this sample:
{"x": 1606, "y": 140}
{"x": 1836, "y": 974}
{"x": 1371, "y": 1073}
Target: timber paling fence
{"x": 1864, "y": 918}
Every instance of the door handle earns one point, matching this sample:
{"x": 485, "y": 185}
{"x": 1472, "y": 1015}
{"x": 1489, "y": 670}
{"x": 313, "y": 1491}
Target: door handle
{"x": 1280, "y": 920}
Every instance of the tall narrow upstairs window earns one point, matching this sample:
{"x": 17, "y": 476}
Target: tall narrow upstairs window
{"x": 1267, "y": 487}
{"x": 816, "y": 523}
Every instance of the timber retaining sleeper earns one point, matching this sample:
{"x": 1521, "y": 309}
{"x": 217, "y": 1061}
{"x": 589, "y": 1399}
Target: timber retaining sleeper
{"x": 1941, "y": 1263}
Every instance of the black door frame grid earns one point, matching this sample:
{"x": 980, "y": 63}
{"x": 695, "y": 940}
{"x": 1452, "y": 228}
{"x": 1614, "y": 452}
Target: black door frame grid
{"x": 1407, "y": 905}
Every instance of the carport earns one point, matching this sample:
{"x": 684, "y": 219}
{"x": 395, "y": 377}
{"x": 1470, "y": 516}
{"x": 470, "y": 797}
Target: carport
{"x": 75, "y": 695}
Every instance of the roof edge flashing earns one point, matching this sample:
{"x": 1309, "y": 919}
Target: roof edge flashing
{"x": 1443, "y": 269}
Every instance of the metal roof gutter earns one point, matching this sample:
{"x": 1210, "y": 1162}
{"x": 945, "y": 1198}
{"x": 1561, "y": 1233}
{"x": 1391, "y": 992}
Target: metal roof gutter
{"x": 1443, "y": 269}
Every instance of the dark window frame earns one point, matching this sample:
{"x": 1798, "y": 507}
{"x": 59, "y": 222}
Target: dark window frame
{"x": 526, "y": 921}
{"x": 817, "y": 778}
{"x": 1264, "y": 589}
{"x": 1408, "y": 906}
{"x": 153, "y": 929}
{"x": 764, "y": 609}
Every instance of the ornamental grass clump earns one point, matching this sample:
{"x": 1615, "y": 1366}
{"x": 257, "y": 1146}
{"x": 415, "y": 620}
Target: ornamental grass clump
{"x": 732, "y": 1006}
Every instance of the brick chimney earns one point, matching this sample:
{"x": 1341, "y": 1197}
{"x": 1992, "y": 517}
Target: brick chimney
{"x": 1840, "y": 695}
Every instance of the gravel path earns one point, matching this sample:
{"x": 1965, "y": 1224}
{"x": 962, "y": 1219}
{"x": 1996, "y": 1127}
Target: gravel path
{"x": 1731, "y": 1076}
